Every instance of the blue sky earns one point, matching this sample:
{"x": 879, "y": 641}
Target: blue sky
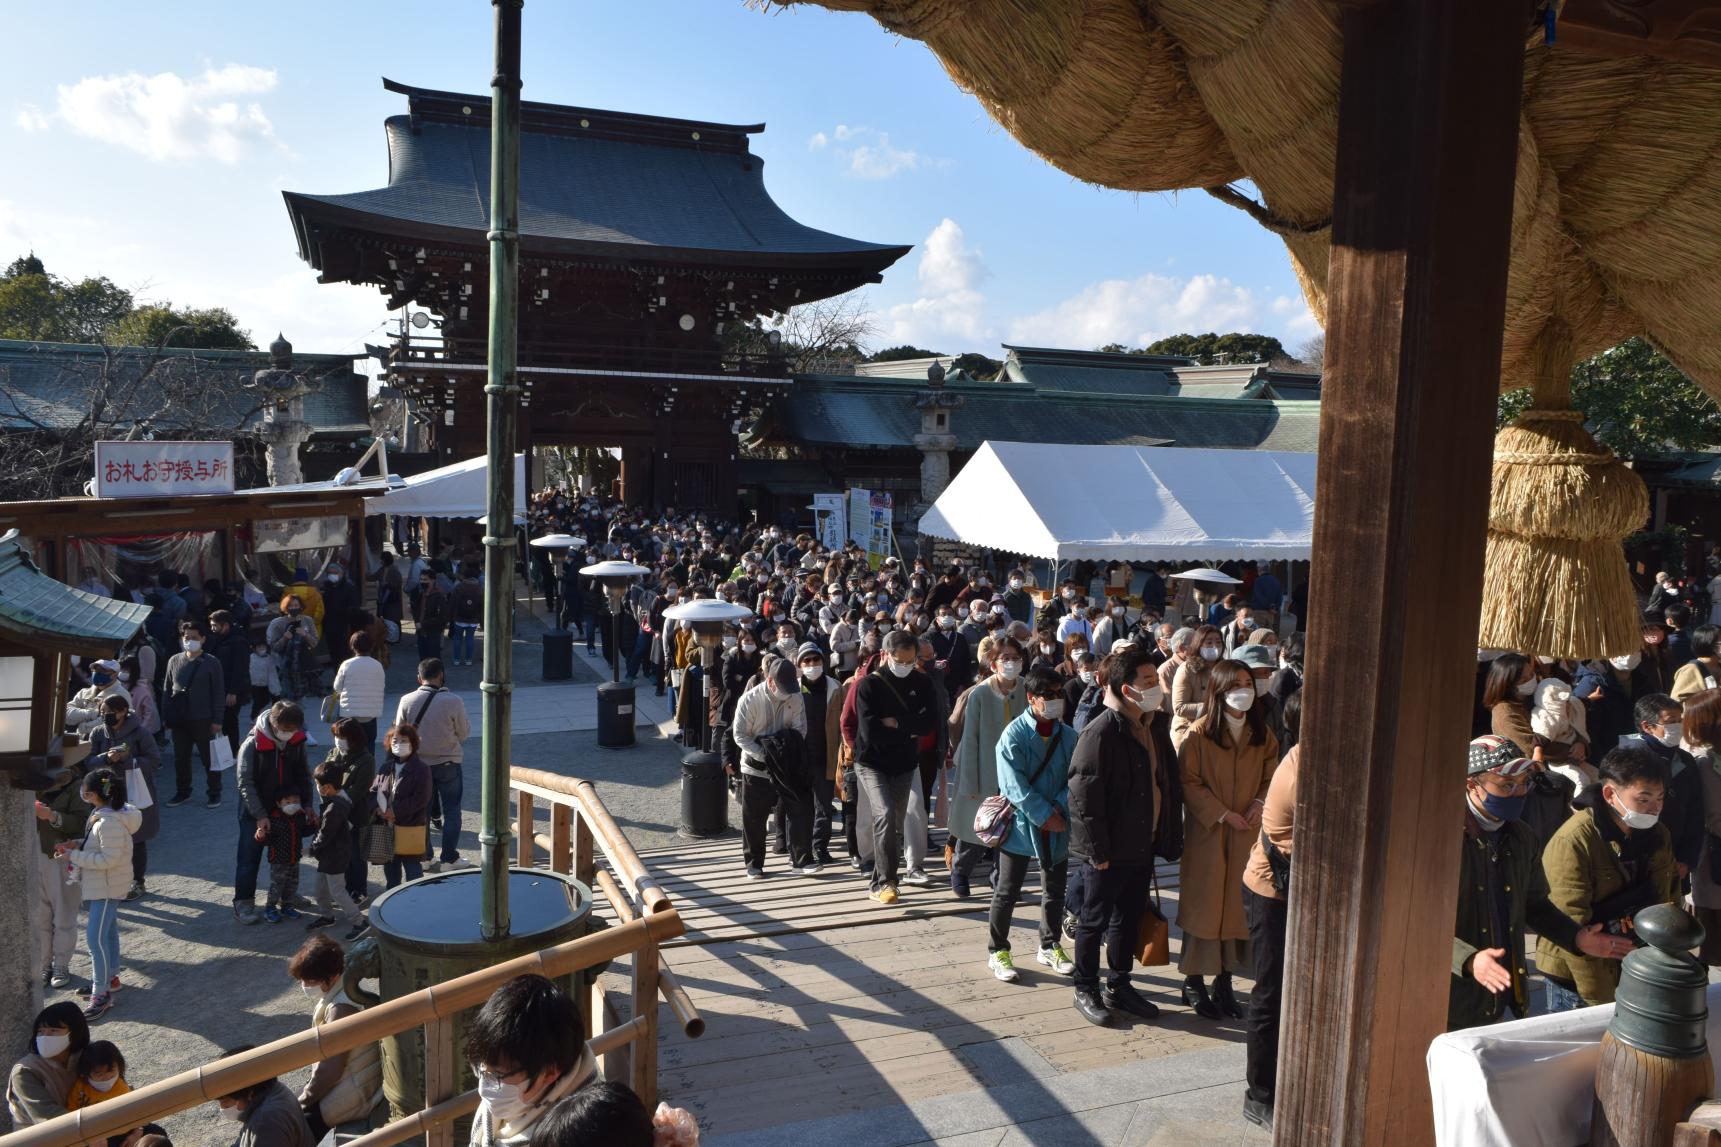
{"x": 150, "y": 143}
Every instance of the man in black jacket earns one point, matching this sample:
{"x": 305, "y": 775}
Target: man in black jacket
{"x": 193, "y": 706}
{"x": 894, "y": 706}
{"x": 1114, "y": 798}
{"x": 1660, "y": 727}
{"x": 228, "y": 646}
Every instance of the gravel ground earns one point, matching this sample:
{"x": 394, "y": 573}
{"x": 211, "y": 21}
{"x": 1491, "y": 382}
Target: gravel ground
{"x": 197, "y": 981}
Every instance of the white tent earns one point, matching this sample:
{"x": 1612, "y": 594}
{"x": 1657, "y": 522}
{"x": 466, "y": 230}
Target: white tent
{"x": 455, "y": 491}
{"x": 1129, "y": 503}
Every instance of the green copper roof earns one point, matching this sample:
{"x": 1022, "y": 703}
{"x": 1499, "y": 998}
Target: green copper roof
{"x": 37, "y": 610}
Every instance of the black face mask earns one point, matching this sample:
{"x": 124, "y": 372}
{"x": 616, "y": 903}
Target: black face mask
{"x": 111, "y": 720}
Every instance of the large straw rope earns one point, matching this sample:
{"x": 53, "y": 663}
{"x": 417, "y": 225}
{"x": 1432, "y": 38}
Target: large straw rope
{"x": 1617, "y": 208}
{"x": 1555, "y": 580}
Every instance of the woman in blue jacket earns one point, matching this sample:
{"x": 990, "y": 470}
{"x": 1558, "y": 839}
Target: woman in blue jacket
{"x": 1033, "y": 775}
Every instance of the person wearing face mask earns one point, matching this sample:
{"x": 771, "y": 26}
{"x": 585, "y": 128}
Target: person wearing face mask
{"x": 267, "y": 1113}
{"x": 271, "y": 761}
{"x": 1227, "y": 762}
{"x": 1656, "y": 664}
{"x": 1510, "y": 686}
{"x": 84, "y": 711}
{"x": 1702, "y": 734}
{"x": 1607, "y": 863}
{"x": 356, "y": 762}
{"x": 38, "y": 1084}
{"x": 347, "y": 1085}
{"x": 1112, "y": 625}
{"x": 739, "y": 666}
{"x": 122, "y": 743}
{"x": 1262, "y": 663}
{"x": 102, "y": 863}
{"x": 989, "y": 708}
{"x": 1660, "y": 732}
{"x": 402, "y": 792}
{"x": 822, "y": 698}
{"x": 1083, "y": 679}
{"x": 974, "y": 621}
{"x": 1604, "y": 687}
{"x": 894, "y": 707}
{"x": 1017, "y": 600}
{"x": 1032, "y": 766}
{"x": 1189, "y": 690}
{"x": 1502, "y": 892}
{"x": 60, "y": 815}
{"x": 1123, "y": 792}
{"x": 1180, "y": 647}
{"x": 526, "y": 1049}
{"x": 1703, "y": 671}
{"x": 770, "y": 707}
{"x": 1075, "y": 622}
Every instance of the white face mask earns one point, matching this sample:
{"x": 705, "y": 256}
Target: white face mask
{"x": 1052, "y": 710}
{"x": 310, "y": 989}
{"x": 812, "y": 672}
{"x": 103, "y": 1085}
{"x": 1117, "y": 611}
{"x": 901, "y": 668}
{"x": 1240, "y": 699}
{"x": 945, "y": 621}
{"x": 1087, "y": 676}
{"x": 125, "y": 678}
{"x": 1069, "y": 595}
{"x": 1148, "y": 698}
{"x": 49, "y": 1046}
{"x": 233, "y": 1114}
{"x": 1670, "y": 734}
{"x": 191, "y": 645}
{"x": 748, "y": 647}
{"x": 1526, "y": 688}
{"x": 1260, "y": 686}
{"x": 334, "y": 578}
{"x": 1626, "y": 663}
{"x": 503, "y": 1099}
{"x": 1635, "y": 819}
{"x": 1046, "y": 649}
{"x": 729, "y": 643}
{"x": 1210, "y": 653}
{"x": 400, "y": 748}
{"x": 1009, "y": 670}
{"x": 1015, "y": 583}
{"x": 291, "y": 808}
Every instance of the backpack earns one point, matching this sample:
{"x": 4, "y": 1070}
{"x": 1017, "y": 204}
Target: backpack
{"x": 996, "y": 816}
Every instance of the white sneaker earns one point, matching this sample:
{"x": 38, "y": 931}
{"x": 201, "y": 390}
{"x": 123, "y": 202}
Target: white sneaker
{"x": 1056, "y": 959}
{"x": 917, "y": 877}
{"x": 812, "y": 869}
{"x": 457, "y": 864}
{"x": 1002, "y": 967}
{"x": 433, "y": 866}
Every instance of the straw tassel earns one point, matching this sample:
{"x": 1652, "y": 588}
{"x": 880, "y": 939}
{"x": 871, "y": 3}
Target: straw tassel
{"x": 1555, "y": 581}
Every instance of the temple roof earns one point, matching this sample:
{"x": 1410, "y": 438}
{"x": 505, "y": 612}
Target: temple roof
{"x": 38, "y": 610}
{"x": 592, "y": 183}
{"x": 831, "y": 411}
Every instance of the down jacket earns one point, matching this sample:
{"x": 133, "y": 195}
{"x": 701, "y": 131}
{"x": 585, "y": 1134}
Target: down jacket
{"x": 103, "y": 859}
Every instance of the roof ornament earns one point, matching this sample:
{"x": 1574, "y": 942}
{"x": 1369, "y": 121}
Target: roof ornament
{"x": 935, "y": 374}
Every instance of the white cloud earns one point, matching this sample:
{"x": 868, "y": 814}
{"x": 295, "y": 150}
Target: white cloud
{"x": 949, "y": 314}
{"x": 30, "y": 118}
{"x": 1135, "y": 312}
{"x": 870, "y": 154}
{"x": 167, "y": 117}
{"x": 1295, "y": 318}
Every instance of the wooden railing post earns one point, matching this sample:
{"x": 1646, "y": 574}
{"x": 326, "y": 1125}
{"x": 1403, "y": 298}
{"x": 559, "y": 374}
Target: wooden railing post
{"x": 561, "y": 828}
{"x": 524, "y": 829}
{"x": 584, "y": 864}
{"x": 440, "y": 1070}
{"x": 644, "y": 1080}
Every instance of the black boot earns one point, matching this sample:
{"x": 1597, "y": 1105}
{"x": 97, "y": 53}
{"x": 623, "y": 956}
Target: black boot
{"x": 1195, "y": 995}
{"x": 1225, "y": 998}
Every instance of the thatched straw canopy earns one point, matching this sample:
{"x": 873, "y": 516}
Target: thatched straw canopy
{"x": 1617, "y": 218}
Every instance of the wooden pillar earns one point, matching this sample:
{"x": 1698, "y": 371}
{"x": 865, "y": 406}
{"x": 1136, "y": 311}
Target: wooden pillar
{"x": 1422, "y": 199}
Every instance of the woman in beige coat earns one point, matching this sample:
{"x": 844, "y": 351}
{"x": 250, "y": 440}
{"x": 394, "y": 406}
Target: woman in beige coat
{"x": 1189, "y": 690}
{"x": 1227, "y": 761}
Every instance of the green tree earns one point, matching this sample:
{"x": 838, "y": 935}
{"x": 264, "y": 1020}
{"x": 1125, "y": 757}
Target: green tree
{"x": 977, "y": 366}
{"x": 212, "y": 328}
{"x": 39, "y": 306}
{"x": 1637, "y": 402}
{"x": 1240, "y": 346}
{"x": 898, "y": 353}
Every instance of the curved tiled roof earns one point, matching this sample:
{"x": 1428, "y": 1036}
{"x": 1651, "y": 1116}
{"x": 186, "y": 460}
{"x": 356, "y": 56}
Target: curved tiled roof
{"x": 598, "y": 183}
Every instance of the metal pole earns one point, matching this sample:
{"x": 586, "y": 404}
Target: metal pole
{"x": 501, "y": 401}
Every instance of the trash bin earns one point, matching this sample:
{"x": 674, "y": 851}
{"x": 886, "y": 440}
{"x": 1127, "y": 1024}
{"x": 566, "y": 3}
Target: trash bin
{"x": 704, "y": 796}
{"x": 558, "y": 654}
{"x": 615, "y": 715}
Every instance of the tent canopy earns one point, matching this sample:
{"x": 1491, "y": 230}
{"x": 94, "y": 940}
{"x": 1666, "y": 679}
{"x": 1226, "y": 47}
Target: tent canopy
{"x": 1130, "y": 503}
{"x": 458, "y": 490}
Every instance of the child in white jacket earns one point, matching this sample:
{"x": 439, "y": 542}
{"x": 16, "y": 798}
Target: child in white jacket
{"x": 103, "y": 864}
{"x": 1558, "y": 717}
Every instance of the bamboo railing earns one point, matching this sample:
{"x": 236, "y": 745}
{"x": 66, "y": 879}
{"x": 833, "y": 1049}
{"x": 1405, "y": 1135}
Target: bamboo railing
{"x": 626, "y": 1049}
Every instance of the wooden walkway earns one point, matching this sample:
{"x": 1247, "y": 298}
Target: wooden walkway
{"x": 820, "y": 1002}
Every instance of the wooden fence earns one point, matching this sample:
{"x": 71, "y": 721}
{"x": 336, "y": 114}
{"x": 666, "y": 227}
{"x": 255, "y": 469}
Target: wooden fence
{"x": 626, "y": 1048}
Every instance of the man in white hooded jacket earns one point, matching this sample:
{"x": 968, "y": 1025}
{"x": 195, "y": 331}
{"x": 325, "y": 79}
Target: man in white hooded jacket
{"x": 771, "y": 706}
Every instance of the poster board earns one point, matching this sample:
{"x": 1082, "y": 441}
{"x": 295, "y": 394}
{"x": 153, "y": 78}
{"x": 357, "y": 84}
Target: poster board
{"x": 146, "y": 469}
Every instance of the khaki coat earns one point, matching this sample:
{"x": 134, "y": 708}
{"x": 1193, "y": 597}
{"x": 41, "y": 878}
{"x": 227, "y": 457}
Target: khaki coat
{"x": 1218, "y": 779}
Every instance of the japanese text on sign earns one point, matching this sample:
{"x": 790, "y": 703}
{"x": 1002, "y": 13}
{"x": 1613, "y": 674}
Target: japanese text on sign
{"x": 157, "y": 469}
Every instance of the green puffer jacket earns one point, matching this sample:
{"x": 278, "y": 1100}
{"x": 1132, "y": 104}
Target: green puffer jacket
{"x": 1582, "y": 867}
{"x": 1510, "y": 859}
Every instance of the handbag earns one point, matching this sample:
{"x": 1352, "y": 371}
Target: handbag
{"x": 1153, "y": 937}
{"x": 137, "y": 787}
{"x": 220, "y": 754}
{"x": 331, "y": 710}
{"x": 379, "y": 844}
{"x": 996, "y": 816}
{"x": 410, "y": 840}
